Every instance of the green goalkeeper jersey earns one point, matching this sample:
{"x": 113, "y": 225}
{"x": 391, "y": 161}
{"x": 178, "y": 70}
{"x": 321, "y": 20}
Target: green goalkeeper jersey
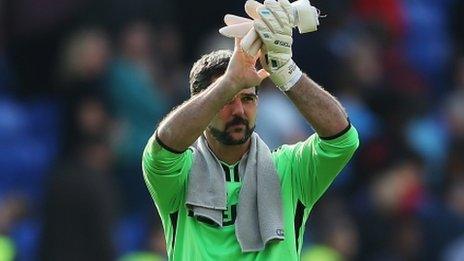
{"x": 305, "y": 171}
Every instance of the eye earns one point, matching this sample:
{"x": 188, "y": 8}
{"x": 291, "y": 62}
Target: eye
{"x": 248, "y": 98}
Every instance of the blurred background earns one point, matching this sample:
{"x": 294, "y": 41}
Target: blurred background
{"x": 84, "y": 83}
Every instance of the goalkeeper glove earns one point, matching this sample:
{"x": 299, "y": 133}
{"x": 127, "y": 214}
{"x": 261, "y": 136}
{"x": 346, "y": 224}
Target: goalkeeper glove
{"x": 275, "y": 31}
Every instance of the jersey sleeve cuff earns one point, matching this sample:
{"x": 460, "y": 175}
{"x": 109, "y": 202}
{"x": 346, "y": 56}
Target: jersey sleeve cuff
{"x": 164, "y": 146}
{"x": 338, "y": 135}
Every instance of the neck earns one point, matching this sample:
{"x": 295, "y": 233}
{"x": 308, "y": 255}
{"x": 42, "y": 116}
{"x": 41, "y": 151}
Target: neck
{"x": 230, "y": 154}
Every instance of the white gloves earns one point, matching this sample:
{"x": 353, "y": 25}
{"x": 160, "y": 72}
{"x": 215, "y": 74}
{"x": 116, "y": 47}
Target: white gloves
{"x": 275, "y": 30}
{"x": 306, "y": 18}
{"x": 272, "y": 33}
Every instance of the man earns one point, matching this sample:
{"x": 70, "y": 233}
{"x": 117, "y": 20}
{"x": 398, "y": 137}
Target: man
{"x": 220, "y": 192}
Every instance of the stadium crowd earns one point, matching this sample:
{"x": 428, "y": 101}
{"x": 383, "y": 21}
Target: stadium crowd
{"x": 84, "y": 83}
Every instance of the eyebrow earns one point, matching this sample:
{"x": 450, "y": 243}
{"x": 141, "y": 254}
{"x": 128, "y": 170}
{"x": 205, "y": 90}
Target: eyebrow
{"x": 248, "y": 95}
{"x": 243, "y": 95}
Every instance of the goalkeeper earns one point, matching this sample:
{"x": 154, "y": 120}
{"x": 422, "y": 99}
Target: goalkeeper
{"x": 219, "y": 190}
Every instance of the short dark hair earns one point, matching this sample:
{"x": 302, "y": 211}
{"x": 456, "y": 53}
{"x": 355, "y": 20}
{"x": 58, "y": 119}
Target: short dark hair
{"x": 209, "y": 66}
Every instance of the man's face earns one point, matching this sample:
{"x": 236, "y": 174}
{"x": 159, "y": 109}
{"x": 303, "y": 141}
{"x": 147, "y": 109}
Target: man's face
{"x": 235, "y": 122}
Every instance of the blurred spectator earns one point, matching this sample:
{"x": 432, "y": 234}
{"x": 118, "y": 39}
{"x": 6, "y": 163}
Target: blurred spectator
{"x": 172, "y": 73}
{"x": 81, "y": 203}
{"x": 81, "y": 75}
{"x": 387, "y": 214}
{"x": 13, "y": 208}
{"x": 445, "y": 222}
{"x": 362, "y": 78}
{"x": 80, "y": 207}
{"x": 138, "y": 103}
{"x": 84, "y": 59}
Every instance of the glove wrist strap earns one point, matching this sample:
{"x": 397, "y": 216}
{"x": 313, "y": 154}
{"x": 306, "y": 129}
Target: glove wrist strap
{"x": 286, "y": 76}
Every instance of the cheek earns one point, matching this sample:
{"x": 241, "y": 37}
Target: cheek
{"x": 251, "y": 113}
{"x": 223, "y": 115}
{"x": 217, "y": 122}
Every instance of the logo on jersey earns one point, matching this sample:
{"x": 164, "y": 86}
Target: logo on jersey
{"x": 280, "y": 232}
{"x": 228, "y": 216}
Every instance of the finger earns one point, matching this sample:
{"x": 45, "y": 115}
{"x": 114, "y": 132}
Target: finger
{"x": 262, "y": 74}
{"x": 236, "y": 30}
{"x": 268, "y": 18}
{"x": 275, "y": 9}
{"x": 285, "y": 4}
{"x": 248, "y": 40}
{"x": 255, "y": 47}
{"x": 237, "y": 44}
{"x": 264, "y": 61}
{"x": 251, "y": 8}
{"x": 260, "y": 51}
{"x": 231, "y": 19}
{"x": 279, "y": 21}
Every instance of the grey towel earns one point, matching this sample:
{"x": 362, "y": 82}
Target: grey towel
{"x": 259, "y": 211}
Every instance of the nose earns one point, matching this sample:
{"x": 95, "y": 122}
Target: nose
{"x": 237, "y": 107}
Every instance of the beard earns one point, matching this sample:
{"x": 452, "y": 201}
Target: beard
{"x": 226, "y": 138}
